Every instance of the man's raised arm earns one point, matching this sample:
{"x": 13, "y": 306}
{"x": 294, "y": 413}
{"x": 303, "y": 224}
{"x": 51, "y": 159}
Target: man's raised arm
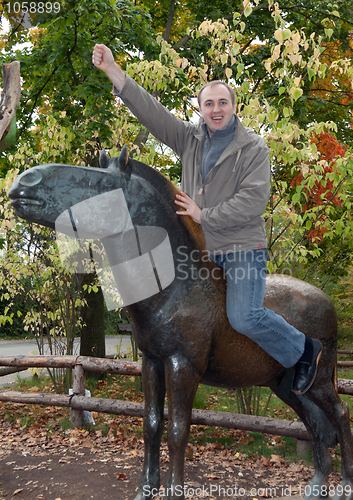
{"x": 158, "y": 120}
{"x": 103, "y": 59}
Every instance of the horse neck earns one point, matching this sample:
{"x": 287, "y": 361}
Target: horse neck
{"x": 159, "y": 239}
{"x": 159, "y": 197}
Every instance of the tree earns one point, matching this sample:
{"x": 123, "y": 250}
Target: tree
{"x": 31, "y": 274}
{"x": 58, "y": 63}
{"x": 57, "y": 71}
{"x": 58, "y": 74}
{"x": 294, "y": 58}
{"x": 93, "y": 328}
{"x": 320, "y": 191}
{"x": 10, "y": 97}
{"x": 65, "y": 98}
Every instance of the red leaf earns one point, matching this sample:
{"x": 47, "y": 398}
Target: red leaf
{"x": 120, "y": 475}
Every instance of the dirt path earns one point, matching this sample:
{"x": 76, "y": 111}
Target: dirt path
{"x": 111, "y": 471}
{"x": 43, "y": 461}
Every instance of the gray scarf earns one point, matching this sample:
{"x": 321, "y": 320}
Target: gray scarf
{"x": 215, "y": 145}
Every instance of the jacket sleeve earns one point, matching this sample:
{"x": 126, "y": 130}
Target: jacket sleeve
{"x": 250, "y": 200}
{"x": 158, "y": 120}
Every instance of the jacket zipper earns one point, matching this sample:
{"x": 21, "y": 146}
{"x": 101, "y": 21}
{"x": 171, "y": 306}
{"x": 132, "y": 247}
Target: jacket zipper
{"x": 200, "y": 191}
{"x": 237, "y": 158}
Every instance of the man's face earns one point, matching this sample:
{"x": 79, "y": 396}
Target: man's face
{"x": 216, "y": 107}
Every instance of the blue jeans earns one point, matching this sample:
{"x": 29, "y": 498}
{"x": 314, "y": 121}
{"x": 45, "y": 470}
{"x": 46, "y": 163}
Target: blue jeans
{"x": 246, "y": 280}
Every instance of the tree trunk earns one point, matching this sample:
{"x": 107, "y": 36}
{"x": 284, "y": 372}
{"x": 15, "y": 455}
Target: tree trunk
{"x": 93, "y": 331}
{"x": 10, "y": 95}
{"x": 169, "y": 20}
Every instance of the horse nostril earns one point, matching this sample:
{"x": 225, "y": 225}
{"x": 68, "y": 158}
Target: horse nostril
{"x": 30, "y": 178}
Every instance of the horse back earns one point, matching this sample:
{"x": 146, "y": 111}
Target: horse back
{"x": 236, "y": 361}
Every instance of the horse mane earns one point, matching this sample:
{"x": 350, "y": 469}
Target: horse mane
{"x": 168, "y": 191}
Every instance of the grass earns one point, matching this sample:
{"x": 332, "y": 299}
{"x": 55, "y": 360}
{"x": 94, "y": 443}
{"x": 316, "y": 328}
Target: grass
{"x": 216, "y": 399}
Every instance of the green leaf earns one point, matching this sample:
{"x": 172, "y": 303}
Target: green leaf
{"x": 248, "y": 11}
{"x": 311, "y": 74}
{"x": 10, "y": 137}
{"x": 296, "y": 198}
{"x": 296, "y": 93}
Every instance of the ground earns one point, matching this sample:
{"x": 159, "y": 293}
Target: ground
{"x": 81, "y": 465}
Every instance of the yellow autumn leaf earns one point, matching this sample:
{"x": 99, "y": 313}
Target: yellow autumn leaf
{"x": 296, "y": 37}
{"x": 297, "y": 81}
{"x": 279, "y": 35}
{"x": 229, "y": 73}
{"x": 293, "y": 217}
{"x": 276, "y": 53}
{"x": 295, "y": 58}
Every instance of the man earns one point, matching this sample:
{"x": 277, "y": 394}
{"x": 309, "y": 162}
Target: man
{"x": 226, "y": 173}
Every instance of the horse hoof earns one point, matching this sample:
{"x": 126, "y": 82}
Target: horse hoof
{"x": 141, "y": 496}
{"x": 315, "y": 490}
{"x": 144, "y": 494}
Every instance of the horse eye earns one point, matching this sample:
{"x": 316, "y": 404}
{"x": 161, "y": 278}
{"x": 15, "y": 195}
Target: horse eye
{"x": 107, "y": 181}
{"x": 30, "y": 178}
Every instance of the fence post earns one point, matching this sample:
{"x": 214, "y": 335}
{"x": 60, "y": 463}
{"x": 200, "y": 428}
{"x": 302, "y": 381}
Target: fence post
{"x": 78, "y": 388}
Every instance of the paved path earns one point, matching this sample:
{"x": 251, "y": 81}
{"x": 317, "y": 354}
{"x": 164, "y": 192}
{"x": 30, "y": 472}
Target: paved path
{"x": 25, "y": 347}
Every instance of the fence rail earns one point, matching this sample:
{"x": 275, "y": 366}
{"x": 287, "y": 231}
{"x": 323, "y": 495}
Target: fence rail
{"x": 78, "y": 402}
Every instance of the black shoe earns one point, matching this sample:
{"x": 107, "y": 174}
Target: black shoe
{"x": 306, "y": 367}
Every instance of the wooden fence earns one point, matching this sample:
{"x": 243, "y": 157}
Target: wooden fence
{"x": 78, "y": 402}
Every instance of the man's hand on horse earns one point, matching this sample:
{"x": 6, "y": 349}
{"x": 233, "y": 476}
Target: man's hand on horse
{"x": 191, "y": 208}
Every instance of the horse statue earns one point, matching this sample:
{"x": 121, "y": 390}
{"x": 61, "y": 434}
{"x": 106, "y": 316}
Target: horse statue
{"x": 182, "y": 328}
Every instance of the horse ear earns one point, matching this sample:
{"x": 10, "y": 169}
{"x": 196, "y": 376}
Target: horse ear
{"x": 124, "y": 160}
{"x": 103, "y": 159}
{"x": 124, "y": 157}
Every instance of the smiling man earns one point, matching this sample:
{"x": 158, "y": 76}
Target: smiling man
{"x": 217, "y": 106}
{"x": 226, "y": 175}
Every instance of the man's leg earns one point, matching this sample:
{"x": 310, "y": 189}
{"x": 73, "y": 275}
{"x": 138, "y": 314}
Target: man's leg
{"x": 246, "y": 281}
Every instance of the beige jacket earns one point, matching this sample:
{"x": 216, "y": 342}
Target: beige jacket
{"x": 236, "y": 190}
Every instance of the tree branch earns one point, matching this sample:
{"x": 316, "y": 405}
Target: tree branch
{"x": 69, "y": 52}
{"x": 169, "y": 20}
{"x": 36, "y": 97}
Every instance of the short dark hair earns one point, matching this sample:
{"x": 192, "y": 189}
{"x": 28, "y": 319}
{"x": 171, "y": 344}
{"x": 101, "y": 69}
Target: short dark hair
{"x": 212, "y": 84}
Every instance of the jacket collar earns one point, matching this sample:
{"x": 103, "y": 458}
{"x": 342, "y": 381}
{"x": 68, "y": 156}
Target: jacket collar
{"x": 240, "y": 140}
{"x": 226, "y": 131}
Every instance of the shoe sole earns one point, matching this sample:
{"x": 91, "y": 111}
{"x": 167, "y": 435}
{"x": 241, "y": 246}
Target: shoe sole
{"x": 314, "y": 376}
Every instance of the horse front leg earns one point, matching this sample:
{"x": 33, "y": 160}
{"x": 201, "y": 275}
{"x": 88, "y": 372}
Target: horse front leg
{"x": 153, "y": 379}
{"x": 182, "y": 381}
